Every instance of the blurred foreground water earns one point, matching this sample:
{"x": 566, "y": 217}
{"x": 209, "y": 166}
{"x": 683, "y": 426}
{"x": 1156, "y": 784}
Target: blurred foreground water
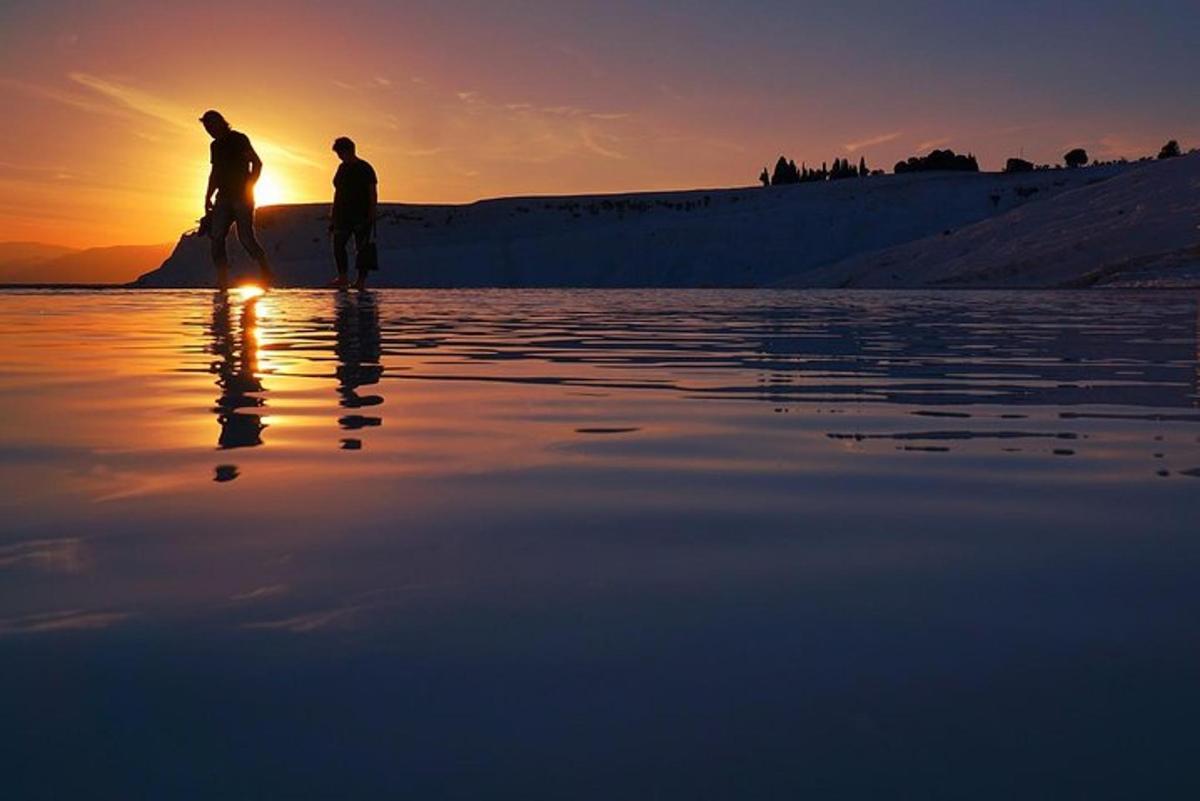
{"x": 588, "y": 544}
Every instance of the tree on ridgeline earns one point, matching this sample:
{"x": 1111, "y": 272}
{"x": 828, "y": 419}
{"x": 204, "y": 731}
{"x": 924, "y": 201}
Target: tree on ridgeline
{"x": 939, "y": 160}
{"x": 1076, "y": 158}
{"x": 779, "y": 176}
{"x": 1018, "y": 165}
{"x": 1170, "y": 150}
{"x": 786, "y": 172}
{"x": 842, "y": 169}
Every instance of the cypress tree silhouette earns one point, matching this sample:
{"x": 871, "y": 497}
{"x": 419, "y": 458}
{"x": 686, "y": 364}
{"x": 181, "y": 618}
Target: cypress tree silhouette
{"x": 785, "y": 172}
{"x": 779, "y": 176}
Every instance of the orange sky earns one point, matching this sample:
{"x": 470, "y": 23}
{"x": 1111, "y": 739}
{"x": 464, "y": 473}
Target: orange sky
{"x": 455, "y": 101}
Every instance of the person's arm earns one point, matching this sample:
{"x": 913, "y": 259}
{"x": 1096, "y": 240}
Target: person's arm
{"x": 373, "y": 206}
{"x": 255, "y": 163}
{"x": 212, "y": 178}
{"x": 208, "y": 193}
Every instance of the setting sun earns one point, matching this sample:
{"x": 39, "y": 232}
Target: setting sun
{"x": 270, "y": 190}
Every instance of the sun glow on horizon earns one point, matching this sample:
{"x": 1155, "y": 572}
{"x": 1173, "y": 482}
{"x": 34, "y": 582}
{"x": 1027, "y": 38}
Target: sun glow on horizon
{"x": 270, "y": 191}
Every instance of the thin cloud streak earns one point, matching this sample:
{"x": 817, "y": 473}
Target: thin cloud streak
{"x": 65, "y": 98}
{"x": 70, "y": 620}
{"x": 173, "y": 115}
{"x": 589, "y": 140}
{"x": 852, "y": 147}
{"x": 932, "y": 143}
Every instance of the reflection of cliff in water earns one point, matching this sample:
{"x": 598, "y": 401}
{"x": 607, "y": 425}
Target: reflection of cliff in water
{"x": 236, "y": 368}
{"x": 1015, "y": 351}
{"x": 950, "y": 348}
{"x": 1196, "y": 366}
{"x": 358, "y": 349}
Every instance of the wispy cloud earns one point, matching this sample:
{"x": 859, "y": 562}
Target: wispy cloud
{"x": 77, "y": 101}
{"x": 65, "y": 555}
{"x": 137, "y": 100}
{"x": 268, "y": 591}
{"x": 932, "y": 143}
{"x": 591, "y": 142}
{"x": 312, "y": 621}
{"x": 40, "y": 174}
{"x": 176, "y": 117}
{"x": 522, "y": 131}
{"x": 70, "y": 620}
{"x": 852, "y": 147}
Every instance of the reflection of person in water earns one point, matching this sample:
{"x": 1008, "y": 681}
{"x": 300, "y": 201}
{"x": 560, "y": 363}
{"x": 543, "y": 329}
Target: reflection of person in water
{"x": 358, "y": 350}
{"x": 236, "y": 368}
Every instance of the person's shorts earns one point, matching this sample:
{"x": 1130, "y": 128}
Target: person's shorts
{"x": 225, "y": 213}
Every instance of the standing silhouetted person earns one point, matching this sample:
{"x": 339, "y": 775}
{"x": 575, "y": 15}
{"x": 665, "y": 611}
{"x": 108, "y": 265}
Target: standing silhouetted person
{"x": 355, "y": 198}
{"x": 235, "y": 170}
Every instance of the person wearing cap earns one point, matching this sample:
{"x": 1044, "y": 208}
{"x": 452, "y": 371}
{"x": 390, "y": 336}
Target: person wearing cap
{"x": 355, "y": 200}
{"x": 235, "y": 170}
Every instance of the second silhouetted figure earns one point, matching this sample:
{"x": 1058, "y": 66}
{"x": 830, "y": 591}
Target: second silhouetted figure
{"x": 355, "y": 198}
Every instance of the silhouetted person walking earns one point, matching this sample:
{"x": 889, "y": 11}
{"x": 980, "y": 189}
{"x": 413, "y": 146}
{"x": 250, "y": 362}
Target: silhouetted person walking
{"x": 355, "y": 200}
{"x": 235, "y": 170}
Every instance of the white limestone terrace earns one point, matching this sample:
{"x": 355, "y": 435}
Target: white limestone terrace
{"x": 798, "y": 235}
{"x": 1139, "y": 229}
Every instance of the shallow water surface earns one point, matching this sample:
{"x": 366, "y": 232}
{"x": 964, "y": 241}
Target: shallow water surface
{"x": 556, "y": 544}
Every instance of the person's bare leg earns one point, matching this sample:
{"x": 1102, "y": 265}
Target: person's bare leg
{"x": 362, "y": 238}
{"x": 341, "y": 238}
{"x": 245, "y": 229}
{"x": 220, "y": 260}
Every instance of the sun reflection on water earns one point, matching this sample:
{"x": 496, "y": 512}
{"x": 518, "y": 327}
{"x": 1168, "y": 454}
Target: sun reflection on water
{"x": 249, "y": 291}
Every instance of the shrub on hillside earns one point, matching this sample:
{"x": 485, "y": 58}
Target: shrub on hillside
{"x": 939, "y": 160}
{"x": 1076, "y": 158}
{"x": 1170, "y": 150}
{"x": 1018, "y": 165}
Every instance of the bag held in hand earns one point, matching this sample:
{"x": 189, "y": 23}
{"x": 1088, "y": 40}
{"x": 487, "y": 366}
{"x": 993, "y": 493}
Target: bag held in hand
{"x": 367, "y": 257}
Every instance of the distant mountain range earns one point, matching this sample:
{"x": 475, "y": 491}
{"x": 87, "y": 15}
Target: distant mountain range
{"x": 40, "y": 263}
